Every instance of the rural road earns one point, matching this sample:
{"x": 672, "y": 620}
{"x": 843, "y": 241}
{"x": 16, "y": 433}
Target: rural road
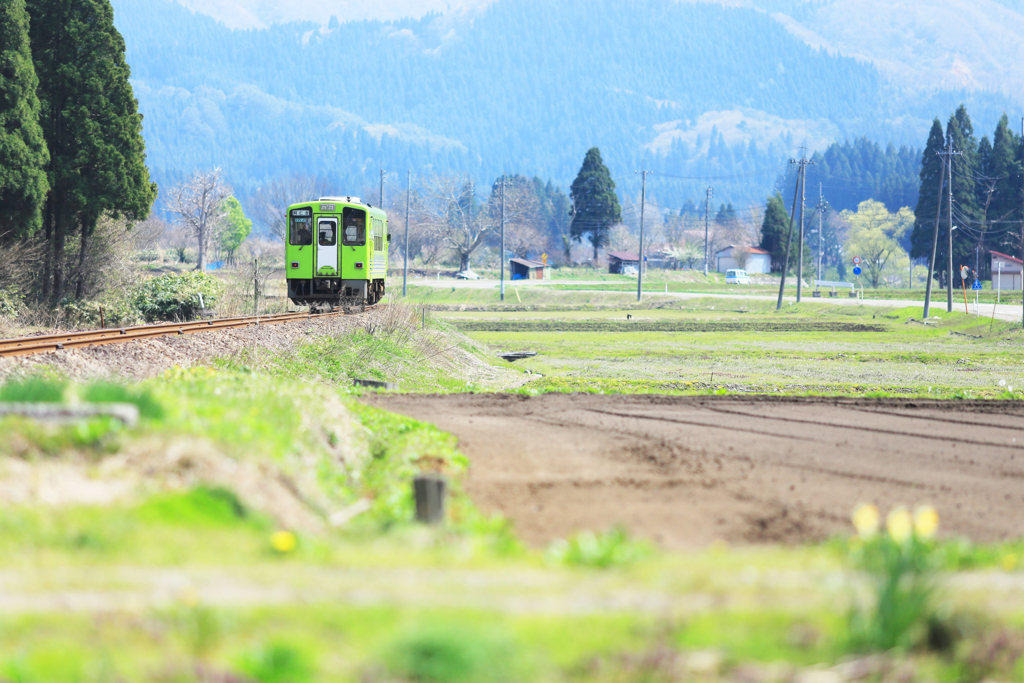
{"x": 1009, "y": 312}
{"x": 686, "y": 471}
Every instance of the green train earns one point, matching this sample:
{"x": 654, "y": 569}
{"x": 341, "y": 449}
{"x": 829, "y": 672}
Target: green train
{"x": 336, "y": 252}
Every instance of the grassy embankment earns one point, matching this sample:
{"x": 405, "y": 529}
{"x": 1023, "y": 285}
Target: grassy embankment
{"x": 162, "y": 557}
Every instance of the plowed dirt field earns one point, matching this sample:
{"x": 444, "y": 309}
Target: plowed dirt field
{"x": 685, "y": 471}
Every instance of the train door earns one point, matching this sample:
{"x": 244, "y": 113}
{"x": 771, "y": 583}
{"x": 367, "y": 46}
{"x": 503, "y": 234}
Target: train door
{"x": 327, "y": 247}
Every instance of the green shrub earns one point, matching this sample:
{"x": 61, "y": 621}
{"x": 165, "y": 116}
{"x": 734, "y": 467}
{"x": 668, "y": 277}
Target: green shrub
{"x": 32, "y": 390}
{"x": 175, "y": 296}
{"x": 148, "y": 256}
{"x": 588, "y": 549}
{"x": 204, "y": 506}
{"x": 278, "y": 662}
{"x": 119, "y": 312}
{"x": 110, "y": 392}
{"x": 445, "y": 653}
{"x": 11, "y": 302}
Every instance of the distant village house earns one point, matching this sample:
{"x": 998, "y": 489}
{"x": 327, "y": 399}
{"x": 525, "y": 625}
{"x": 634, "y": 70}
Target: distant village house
{"x": 1006, "y": 272}
{"x": 757, "y": 260}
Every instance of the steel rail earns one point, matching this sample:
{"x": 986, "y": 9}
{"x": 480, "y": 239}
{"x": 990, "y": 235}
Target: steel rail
{"x": 26, "y": 346}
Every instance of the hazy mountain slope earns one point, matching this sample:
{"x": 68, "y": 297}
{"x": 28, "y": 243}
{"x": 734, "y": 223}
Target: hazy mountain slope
{"x": 952, "y": 44}
{"x": 524, "y": 86}
{"x": 263, "y": 13}
{"x": 949, "y": 44}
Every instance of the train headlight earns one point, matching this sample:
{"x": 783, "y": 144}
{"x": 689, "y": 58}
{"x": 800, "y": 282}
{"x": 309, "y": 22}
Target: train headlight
{"x": 359, "y": 264}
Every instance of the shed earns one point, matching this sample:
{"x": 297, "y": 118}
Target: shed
{"x": 521, "y": 269}
{"x": 758, "y": 260}
{"x": 1006, "y": 272}
{"x": 617, "y": 260}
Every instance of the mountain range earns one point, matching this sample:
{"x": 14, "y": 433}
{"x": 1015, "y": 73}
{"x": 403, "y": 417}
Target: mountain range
{"x": 700, "y": 93}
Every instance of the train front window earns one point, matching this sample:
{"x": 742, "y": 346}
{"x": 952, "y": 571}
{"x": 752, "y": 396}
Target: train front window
{"x": 301, "y": 232}
{"x": 328, "y": 234}
{"x": 354, "y": 222}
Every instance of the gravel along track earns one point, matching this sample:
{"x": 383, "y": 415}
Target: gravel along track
{"x": 686, "y": 471}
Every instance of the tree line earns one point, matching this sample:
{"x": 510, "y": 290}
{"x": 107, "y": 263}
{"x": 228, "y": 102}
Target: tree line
{"x": 71, "y": 146}
{"x": 987, "y": 187}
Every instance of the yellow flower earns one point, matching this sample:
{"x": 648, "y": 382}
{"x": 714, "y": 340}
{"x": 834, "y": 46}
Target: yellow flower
{"x": 283, "y": 541}
{"x": 1009, "y": 562}
{"x": 900, "y": 524}
{"x": 189, "y": 596}
{"x": 865, "y": 520}
{"x": 926, "y": 521}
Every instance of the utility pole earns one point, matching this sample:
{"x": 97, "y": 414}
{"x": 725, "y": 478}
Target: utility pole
{"x": 935, "y": 234}
{"x": 800, "y": 247}
{"x": 501, "y": 256}
{"x": 949, "y": 280}
{"x": 405, "y": 250}
{"x": 710, "y": 192}
{"x": 821, "y": 240}
{"x": 382, "y": 174}
{"x": 640, "y": 265}
{"x": 789, "y": 236}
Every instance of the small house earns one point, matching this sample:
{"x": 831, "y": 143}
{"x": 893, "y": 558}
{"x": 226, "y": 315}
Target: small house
{"x": 758, "y": 260}
{"x": 522, "y": 269}
{"x": 618, "y": 261}
{"x": 1006, "y": 272}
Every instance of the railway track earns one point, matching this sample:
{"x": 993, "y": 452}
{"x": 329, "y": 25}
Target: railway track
{"x": 27, "y": 346}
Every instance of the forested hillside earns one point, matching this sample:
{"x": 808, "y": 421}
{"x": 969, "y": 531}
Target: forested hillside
{"x": 525, "y": 86}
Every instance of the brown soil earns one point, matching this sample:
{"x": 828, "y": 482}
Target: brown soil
{"x": 686, "y": 471}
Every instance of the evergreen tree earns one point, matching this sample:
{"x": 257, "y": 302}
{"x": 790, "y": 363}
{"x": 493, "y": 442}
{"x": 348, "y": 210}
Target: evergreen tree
{"x": 23, "y": 154}
{"x": 595, "y": 204}
{"x": 774, "y": 230}
{"x": 928, "y": 197}
{"x": 1003, "y": 209}
{"x": 726, "y": 214}
{"x": 91, "y": 124}
{"x": 966, "y": 214}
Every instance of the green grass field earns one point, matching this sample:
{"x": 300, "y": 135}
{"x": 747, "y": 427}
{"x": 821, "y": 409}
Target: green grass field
{"x": 738, "y": 345}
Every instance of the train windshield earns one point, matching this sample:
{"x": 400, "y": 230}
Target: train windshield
{"x": 301, "y": 233}
{"x": 328, "y": 236}
{"x": 354, "y": 222}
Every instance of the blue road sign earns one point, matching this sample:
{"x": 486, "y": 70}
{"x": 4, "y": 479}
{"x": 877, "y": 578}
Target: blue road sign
{"x": 856, "y": 271}
{"x": 976, "y": 285}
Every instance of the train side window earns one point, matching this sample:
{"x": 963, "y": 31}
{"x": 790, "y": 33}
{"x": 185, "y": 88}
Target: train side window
{"x": 354, "y": 230}
{"x": 301, "y": 233}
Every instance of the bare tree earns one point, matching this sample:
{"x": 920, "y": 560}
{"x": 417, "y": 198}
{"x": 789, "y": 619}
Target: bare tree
{"x": 269, "y": 204}
{"x": 449, "y": 209}
{"x": 197, "y": 205}
{"x": 523, "y": 223}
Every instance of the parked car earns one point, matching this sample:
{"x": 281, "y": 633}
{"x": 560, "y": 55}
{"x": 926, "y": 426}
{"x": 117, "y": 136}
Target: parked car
{"x": 737, "y": 277}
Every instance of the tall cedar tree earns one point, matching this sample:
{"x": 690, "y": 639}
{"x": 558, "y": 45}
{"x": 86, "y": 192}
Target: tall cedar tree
{"x": 774, "y": 229}
{"x": 966, "y": 214}
{"x": 928, "y": 196}
{"x": 1003, "y": 209}
{"x": 92, "y": 127}
{"x": 23, "y": 154}
{"x": 595, "y": 204}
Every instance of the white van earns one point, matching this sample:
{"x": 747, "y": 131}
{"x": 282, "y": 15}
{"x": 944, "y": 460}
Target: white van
{"x": 736, "y": 277}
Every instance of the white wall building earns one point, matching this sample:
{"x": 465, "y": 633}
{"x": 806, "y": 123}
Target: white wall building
{"x": 1006, "y": 272}
{"x": 758, "y": 260}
